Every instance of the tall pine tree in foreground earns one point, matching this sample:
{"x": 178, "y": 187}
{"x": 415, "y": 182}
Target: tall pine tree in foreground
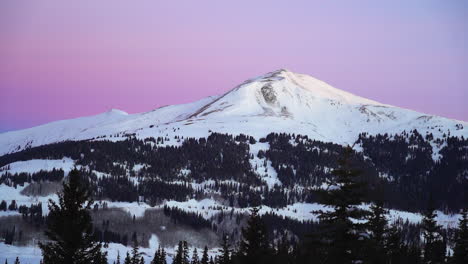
{"x": 70, "y": 228}
{"x": 254, "y": 245}
{"x": 225, "y": 252}
{"x": 118, "y": 258}
{"x": 342, "y": 234}
{"x": 195, "y": 259}
{"x": 434, "y": 245}
{"x": 397, "y": 250}
{"x": 182, "y": 254}
{"x": 284, "y": 251}
{"x": 185, "y": 258}
{"x": 204, "y": 259}
{"x": 159, "y": 256}
{"x": 137, "y": 256}
{"x": 128, "y": 259}
{"x": 460, "y": 252}
{"x": 377, "y": 226}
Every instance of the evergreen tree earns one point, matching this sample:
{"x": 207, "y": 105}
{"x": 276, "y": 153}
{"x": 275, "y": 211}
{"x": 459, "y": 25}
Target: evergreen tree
{"x": 13, "y": 206}
{"x": 101, "y": 258}
{"x": 434, "y": 247}
{"x": 118, "y": 258}
{"x": 205, "y": 259}
{"x": 313, "y": 249}
{"x": 185, "y": 254}
{"x": 254, "y": 246}
{"x": 10, "y": 236}
{"x": 195, "y": 259}
{"x": 157, "y": 256}
{"x": 179, "y": 256}
{"x": 412, "y": 254}
{"x": 343, "y": 239}
{"x": 283, "y": 254}
{"x": 163, "y": 256}
{"x": 225, "y": 252}
{"x": 128, "y": 259}
{"x": 393, "y": 245}
{"x": 136, "y": 254}
{"x": 460, "y": 252}
{"x": 69, "y": 227}
{"x": 377, "y": 226}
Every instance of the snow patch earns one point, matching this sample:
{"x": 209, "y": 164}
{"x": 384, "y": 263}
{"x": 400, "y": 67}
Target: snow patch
{"x": 36, "y": 165}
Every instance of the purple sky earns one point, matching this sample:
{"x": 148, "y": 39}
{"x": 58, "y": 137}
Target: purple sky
{"x": 64, "y": 59}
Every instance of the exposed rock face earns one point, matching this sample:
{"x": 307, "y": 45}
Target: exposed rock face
{"x": 269, "y": 94}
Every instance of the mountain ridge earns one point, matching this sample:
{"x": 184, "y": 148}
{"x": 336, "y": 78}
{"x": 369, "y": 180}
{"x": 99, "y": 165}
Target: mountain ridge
{"x": 279, "y": 101}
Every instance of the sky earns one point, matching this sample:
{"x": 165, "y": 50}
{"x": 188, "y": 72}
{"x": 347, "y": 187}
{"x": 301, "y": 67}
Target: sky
{"x": 65, "y": 59}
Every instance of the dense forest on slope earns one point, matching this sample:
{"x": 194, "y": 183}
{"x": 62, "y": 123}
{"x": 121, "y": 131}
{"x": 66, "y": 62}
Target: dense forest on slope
{"x": 267, "y": 238}
{"x": 400, "y": 169}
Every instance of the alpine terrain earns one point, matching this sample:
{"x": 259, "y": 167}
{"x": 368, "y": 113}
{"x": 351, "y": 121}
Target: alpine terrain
{"x": 193, "y": 172}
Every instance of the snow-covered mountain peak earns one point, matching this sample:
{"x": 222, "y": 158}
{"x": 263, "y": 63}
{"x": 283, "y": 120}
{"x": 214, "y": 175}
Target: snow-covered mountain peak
{"x": 280, "y": 93}
{"x": 315, "y": 87}
{"x": 278, "y": 101}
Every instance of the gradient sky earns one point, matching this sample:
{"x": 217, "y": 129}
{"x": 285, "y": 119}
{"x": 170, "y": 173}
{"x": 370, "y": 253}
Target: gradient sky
{"x": 64, "y": 59}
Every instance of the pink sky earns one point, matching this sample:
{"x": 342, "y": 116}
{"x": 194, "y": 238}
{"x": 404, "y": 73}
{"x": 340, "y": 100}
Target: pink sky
{"x": 63, "y": 59}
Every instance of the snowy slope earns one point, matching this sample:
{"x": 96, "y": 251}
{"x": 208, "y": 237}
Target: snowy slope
{"x": 36, "y": 165}
{"x": 280, "y": 101}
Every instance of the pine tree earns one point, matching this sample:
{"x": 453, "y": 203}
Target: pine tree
{"x": 283, "y": 254}
{"x": 118, "y": 258}
{"x": 411, "y": 254}
{"x": 101, "y": 258}
{"x": 136, "y": 254}
{"x": 157, "y": 256}
{"x": 254, "y": 245}
{"x": 163, "y": 256}
{"x": 10, "y": 236}
{"x": 3, "y": 206}
{"x": 377, "y": 226}
{"x": 225, "y": 252}
{"x": 195, "y": 259}
{"x": 393, "y": 243}
{"x": 128, "y": 259}
{"x": 185, "y": 253}
{"x": 460, "y": 252}
{"x": 179, "y": 256}
{"x": 69, "y": 227}
{"x": 313, "y": 248}
{"x": 204, "y": 259}
{"x": 343, "y": 239}
{"x": 434, "y": 247}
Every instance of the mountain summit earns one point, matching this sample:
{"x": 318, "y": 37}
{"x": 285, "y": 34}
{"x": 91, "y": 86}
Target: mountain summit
{"x": 279, "y": 101}
{"x": 281, "y": 93}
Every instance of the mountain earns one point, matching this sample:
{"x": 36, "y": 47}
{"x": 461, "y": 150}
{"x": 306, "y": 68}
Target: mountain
{"x": 193, "y": 171}
{"x": 280, "y": 101}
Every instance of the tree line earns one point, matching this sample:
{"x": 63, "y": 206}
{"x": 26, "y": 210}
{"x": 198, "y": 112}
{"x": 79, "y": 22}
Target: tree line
{"x": 347, "y": 234}
{"x": 403, "y": 164}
